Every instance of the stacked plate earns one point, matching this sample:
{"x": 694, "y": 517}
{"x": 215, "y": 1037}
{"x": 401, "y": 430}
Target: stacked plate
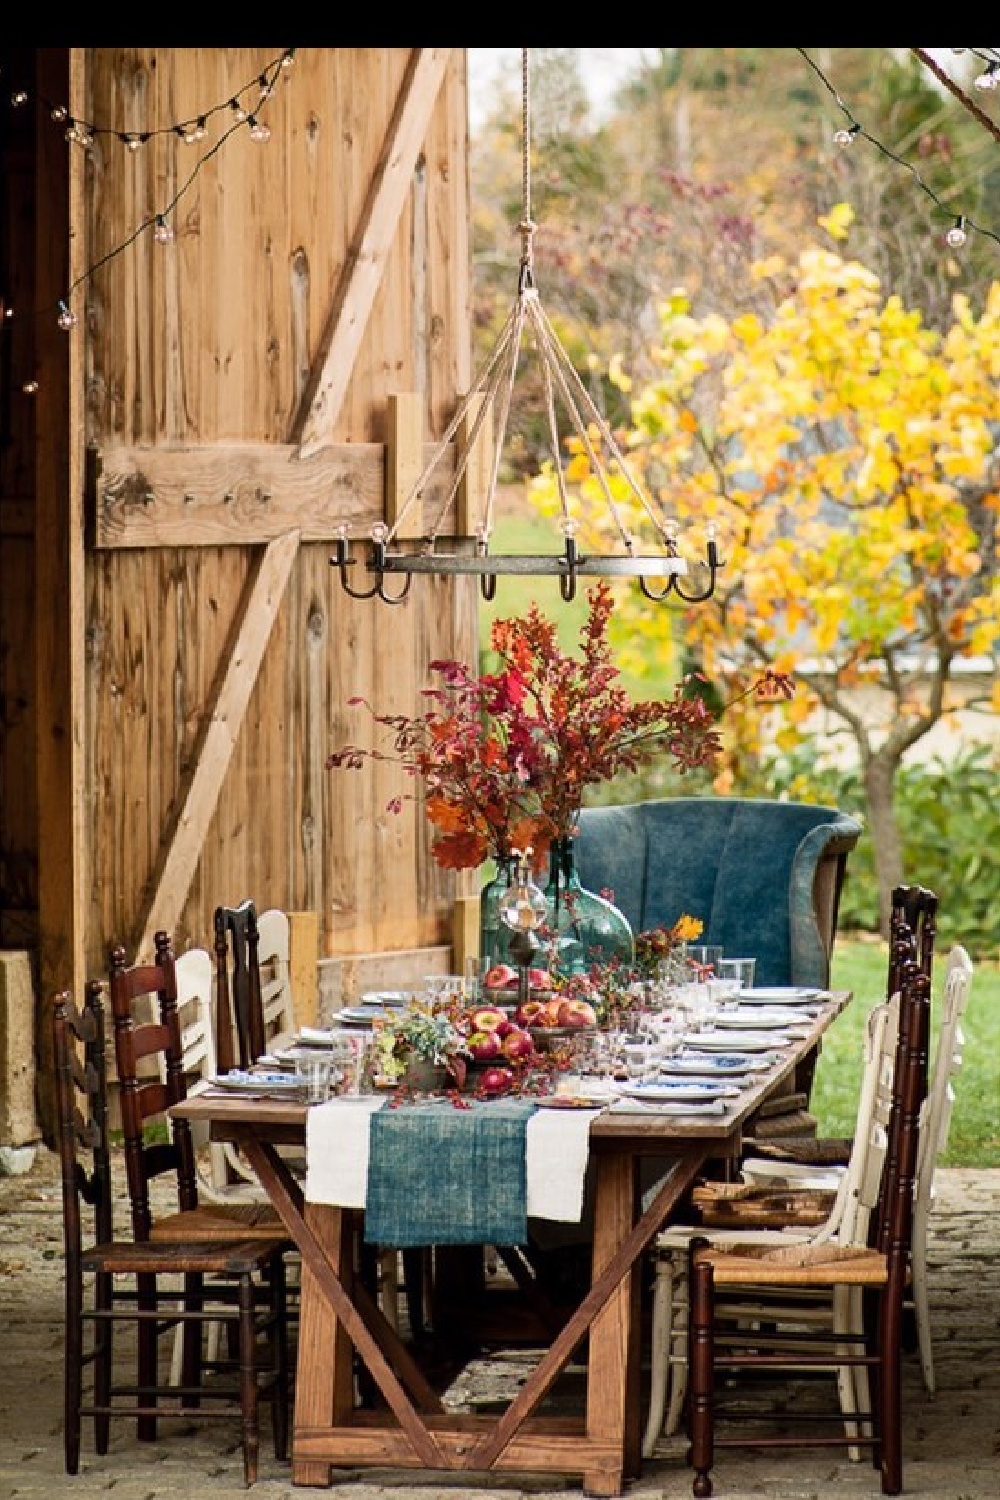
{"x": 721, "y": 1065}
{"x": 781, "y": 994}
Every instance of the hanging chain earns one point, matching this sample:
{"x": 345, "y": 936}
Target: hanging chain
{"x": 526, "y": 228}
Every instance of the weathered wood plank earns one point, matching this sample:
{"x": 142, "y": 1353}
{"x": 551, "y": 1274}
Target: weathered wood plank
{"x": 390, "y": 183}
{"x": 59, "y": 577}
{"x": 201, "y": 796}
{"x": 237, "y": 494}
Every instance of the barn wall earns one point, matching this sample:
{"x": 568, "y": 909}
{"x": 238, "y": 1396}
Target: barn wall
{"x": 209, "y": 343}
{"x": 222, "y": 354}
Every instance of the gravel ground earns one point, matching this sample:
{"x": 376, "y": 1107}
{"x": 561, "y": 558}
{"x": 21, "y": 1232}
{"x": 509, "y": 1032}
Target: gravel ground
{"x": 952, "y": 1443}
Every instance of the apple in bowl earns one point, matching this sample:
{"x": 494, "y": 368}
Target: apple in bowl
{"x": 484, "y": 1045}
{"x": 576, "y": 1012}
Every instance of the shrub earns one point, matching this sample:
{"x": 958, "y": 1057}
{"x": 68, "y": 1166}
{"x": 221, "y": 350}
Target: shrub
{"x": 949, "y": 817}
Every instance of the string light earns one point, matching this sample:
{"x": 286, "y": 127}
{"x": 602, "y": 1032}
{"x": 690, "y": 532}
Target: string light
{"x": 989, "y": 79}
{"x": 961, "y": 225}
{"x": 193, "y": 130}
{"x": 190, "y": 130}
{"x": 957, "y": 236}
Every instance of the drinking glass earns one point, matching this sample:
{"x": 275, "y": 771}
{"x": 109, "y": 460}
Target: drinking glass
{"x": 316, "y": 1075}
{"x": 705, "y": 956}
{"x": 740, "y": 969}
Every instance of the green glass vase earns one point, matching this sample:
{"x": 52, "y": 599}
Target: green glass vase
{"x": 586, "y": 929}
{"x": 494, "y": 934}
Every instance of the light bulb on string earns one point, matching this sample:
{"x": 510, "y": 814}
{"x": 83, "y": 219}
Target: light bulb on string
{"x": 844, "y": 136}
{"x": 19, "y": 98}
{"x": 989, "y": 79}
{"x": 957, "y": 235}
{"x": 258, "y": 130}
{"x": 162, "y": 234}
{"x": 67, "y": 318}
{"x": 30, "y": 388}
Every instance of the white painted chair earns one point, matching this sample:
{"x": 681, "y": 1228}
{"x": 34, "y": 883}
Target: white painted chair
{"x": 273, "y": 961}
{"x": 847, "y": 1223}
{"x": 222, "y": 1174}
{"x": 935, "y": 1123}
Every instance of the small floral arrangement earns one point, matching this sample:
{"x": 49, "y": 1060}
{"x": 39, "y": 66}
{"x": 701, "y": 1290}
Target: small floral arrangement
{"x": 505, "y": 758}
{"x": 658, "y": 943}
{"x": 430, "y": 1033}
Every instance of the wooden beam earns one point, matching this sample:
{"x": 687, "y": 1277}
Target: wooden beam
{"x": 183, "y": 845}
{"x": 58, "y": 237}
{"x": 326, "y": 388}
{"x": 404, "y": 463}
{"x": 237, "y": 494}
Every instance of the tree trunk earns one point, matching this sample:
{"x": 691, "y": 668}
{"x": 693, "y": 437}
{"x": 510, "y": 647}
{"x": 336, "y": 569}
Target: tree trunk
{"x": 887, "y": 846}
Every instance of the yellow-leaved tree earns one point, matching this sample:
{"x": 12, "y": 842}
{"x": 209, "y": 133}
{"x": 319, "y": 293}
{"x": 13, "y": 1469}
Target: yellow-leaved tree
{"x": 847, "y": 458}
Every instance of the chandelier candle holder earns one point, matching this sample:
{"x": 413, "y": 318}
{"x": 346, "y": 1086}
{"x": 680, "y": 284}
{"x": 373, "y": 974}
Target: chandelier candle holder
{"x": 661, "y": 572}
{"x": 523, "y": 909}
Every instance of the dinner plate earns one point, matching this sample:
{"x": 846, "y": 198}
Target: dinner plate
{"x": 240, "y": 1082}
{"x": 674, "y": 1090}
{"x": 572, "y": 1101}
{"x": 393, "y": 998}
{"x": 315, "y": 1036}
{"x": 779, "y": 995}
{"x": 719, "y": 1041}
{"x": 722, "y": 1064}
{"x": 759, "y": 1018}
{"x": 360, "y": 1015}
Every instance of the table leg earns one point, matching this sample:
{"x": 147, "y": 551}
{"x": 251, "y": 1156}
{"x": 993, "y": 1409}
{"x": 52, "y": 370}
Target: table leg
{"x": 608, "y": 1354}
{"x": 324, "y": 1380}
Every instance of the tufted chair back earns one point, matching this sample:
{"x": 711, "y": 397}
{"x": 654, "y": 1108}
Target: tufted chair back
{"x": 764, "y": 876}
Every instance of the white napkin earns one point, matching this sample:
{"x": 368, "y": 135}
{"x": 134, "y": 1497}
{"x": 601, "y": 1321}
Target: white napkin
{"x": 626, "y": 1106}
{"x": 557, "y": 1146}
{"x": 337, "y": 1144}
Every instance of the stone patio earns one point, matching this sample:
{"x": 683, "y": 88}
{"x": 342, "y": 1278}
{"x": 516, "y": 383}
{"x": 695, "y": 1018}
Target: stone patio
{"x": 952, "y": 1443}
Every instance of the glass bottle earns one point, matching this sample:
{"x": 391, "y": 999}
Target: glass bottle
{"x": 586, "y": 929}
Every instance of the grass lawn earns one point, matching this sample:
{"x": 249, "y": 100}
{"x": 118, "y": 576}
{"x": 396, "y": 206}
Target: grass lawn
{"x": 860, "y": 966}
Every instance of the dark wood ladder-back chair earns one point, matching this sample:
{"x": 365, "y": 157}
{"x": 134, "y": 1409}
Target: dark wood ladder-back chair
{"x": 145, "y": 1097}
{"x": 166, "y": 1283}
{"x": 239, "y": 1012}
{"x": 879, "y": 1271}
{"x": 912, "y": 931}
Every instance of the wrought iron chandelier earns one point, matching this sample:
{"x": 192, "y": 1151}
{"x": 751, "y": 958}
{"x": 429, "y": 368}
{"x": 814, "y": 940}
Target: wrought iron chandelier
{"x": 489, "y": 401}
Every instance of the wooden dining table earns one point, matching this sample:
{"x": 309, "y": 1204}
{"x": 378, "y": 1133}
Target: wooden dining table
{"x": 339, "y": 1318}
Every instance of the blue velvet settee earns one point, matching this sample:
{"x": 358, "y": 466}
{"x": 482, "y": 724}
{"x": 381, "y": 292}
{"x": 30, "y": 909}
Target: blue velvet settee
{"x": 764, "y": 876}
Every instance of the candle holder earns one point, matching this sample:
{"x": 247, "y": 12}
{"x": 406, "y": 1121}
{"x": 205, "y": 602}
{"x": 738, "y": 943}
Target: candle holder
{"x": 523, "y": 909}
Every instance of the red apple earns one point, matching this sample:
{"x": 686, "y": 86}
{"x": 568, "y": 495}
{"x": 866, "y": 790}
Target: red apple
{"x": 539, "y": 979}
{"x": 528, "y": 1013}
{"x": 505, "y": 1028}
{"x": 483, "y": 1045}
{"x": 518, "y": 1044}
{"x": 496, "y": 1080}
{"x": 487, "y": 1018}
{"x": 500, "y": 977}
{"x": 577, "y": 1013}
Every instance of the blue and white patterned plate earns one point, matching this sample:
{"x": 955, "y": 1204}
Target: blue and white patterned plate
{"x": 676, "y": 1090}
{"x": 723, "y": 1064}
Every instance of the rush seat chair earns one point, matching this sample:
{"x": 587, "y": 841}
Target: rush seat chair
{"x": 157, "y": 1286}
{"x": 874, "y": 1274}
